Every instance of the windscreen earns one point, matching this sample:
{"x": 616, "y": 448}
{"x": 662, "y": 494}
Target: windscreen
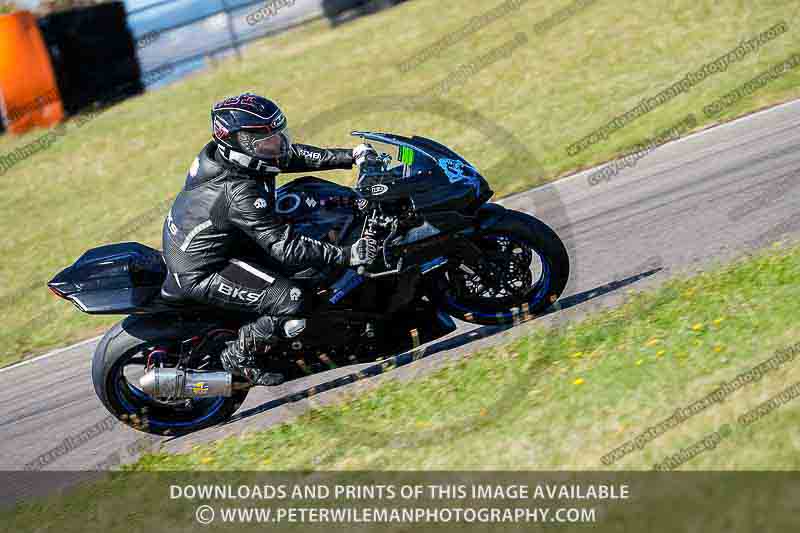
{"x": 406, "y": 157}
{"x": 401, "y": 157}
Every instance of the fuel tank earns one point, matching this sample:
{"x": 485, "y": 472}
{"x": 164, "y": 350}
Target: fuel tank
{"x": 317, "y": 208}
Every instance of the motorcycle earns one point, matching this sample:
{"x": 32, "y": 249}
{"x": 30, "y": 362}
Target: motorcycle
{"x": 446, "y": 253}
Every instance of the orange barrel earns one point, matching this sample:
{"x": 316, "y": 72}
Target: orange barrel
{"x": 28, "y": 89}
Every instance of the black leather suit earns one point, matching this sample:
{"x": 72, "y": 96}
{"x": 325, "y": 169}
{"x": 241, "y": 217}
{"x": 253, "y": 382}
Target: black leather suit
{"x": 223, "y": 229}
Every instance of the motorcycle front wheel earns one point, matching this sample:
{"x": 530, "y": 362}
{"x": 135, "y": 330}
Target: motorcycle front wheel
{"x": 523, "y": 270}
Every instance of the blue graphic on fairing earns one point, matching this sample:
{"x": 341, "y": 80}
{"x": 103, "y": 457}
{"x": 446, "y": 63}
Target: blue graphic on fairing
{"x": 434, "y": 263}
{"x": 457, "y": 170}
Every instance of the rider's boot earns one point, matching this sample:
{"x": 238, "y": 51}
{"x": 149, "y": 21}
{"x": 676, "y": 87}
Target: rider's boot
{"x": 240, "y": 357}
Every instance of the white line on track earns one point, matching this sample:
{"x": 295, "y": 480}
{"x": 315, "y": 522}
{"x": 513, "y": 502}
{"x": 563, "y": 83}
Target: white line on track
{"x": 712, "y": 128}
{"x": 49, "y": 354}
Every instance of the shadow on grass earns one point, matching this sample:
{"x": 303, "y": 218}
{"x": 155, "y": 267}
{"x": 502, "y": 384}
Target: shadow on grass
{"x": 434, "y": 348}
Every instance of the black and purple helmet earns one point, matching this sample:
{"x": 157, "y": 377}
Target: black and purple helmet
{"x": 252, "y": 132}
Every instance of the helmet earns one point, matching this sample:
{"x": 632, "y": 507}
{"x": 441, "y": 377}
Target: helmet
{"x": 251, "y": 132}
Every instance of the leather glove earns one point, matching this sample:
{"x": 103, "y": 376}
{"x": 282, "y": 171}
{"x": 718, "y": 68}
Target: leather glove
{"x": 364, "y": 152}
{"x": 363, "y": 252}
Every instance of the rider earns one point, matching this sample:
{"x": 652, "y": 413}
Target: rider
{"x": 226, "y": 205}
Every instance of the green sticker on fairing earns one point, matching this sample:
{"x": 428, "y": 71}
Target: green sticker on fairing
{"x": 406, "y": 155}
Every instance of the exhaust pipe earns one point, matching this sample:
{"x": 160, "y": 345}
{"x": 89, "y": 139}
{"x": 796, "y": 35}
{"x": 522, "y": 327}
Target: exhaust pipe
{"x": 180, "y": 384}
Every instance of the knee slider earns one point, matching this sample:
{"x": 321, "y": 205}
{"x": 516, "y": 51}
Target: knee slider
{"x": 293, "y": 328}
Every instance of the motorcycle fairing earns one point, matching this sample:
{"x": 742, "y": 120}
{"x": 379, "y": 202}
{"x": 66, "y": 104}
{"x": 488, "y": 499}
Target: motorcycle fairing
{"x": 113, "y": 279}
{"x": 430, "y": 175}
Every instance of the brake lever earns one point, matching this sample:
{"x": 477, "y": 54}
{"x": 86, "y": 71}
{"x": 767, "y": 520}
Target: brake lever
{"x": 387, "y": 241}
{"x": 362, "y": 271}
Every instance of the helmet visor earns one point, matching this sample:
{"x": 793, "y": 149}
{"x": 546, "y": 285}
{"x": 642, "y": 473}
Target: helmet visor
{"x": 266, "y": 145}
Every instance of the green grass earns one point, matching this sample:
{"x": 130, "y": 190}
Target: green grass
{"x": 550, "y": 400}
{"x": 550, "y": 92}
{"x": 563, "y": 399}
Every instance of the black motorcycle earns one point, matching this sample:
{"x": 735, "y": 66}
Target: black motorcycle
{"x": 446, "y": 253}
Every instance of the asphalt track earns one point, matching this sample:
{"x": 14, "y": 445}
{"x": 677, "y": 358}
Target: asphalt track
{"x": 706, "y": 198}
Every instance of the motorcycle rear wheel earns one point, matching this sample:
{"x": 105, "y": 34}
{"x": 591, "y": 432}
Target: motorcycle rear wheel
{"x": 130, "y": 343}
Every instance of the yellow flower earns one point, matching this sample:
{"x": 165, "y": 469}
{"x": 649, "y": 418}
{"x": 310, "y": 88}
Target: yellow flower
{"x": 697, "y": 327}
{"x": 660, "y": 353}
{"x": 484, "y": 412}
{"x": 578, "y": 381}
{"x": 652, "y": 342}
{"x": 577, "y": 354}
{"x": 689, "y": 293}
{"x": 718, "y": 321}
{"x": 206, "y": 460}
{"x": 639, "y": 362}
{"x": 718, "y": 348}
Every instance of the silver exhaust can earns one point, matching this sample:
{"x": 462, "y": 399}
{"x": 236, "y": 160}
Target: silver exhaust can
{"x": 179, "y": 384}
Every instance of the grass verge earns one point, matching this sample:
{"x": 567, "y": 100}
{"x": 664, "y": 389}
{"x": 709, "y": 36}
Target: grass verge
{"x": 563, "y": 399}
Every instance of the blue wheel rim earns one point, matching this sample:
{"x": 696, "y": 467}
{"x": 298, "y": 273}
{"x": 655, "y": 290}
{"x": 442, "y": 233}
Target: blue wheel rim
{"x": 120, "y": 381}
{"x": 543, "y": 284}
